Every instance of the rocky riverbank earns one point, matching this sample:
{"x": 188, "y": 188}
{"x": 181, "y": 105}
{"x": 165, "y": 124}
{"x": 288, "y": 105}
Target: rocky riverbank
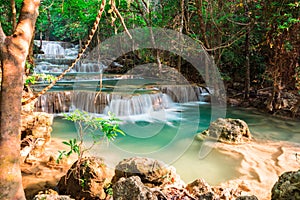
{"x": 287, "y": 106}
{"x": 262, "y": 163}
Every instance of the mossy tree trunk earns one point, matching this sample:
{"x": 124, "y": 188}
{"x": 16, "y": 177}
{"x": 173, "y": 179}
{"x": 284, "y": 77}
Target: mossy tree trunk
{"x": 13, "y": 53}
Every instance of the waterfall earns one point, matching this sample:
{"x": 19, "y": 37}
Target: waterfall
{"x": 54, "y": 102}
{"x": 138, "y": 104}
{"x": 84, "y": 79}
{"x": 85, "y": 100}
{"x": 185, "y": 93}
{"x": 90, "y": 67}
{"x": 119, "y": 104}
{"x": 55, "y": 49}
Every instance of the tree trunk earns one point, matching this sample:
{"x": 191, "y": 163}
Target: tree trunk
{"x": 179, "y": 61}
{"x": 247, "y": 66}
{"x": 199, "y": 5}
{"x": 13, "y": 51}
{"x": 247, "y": 56}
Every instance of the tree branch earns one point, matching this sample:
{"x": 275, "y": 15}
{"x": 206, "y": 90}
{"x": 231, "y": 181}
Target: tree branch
{"x": 114, "y": 8}
{"x": 27, "y": 19}
{"x": 2, "y": 34}
{"x": 14, "y": 14}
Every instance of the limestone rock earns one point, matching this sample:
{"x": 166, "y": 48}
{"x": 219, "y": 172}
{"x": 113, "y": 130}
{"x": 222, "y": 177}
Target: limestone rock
{"x": 152, "y": 172}
{"x": 51, "y": 197}
{"x": 200, "y": 189}
{"x": 131, "y": 188}
{"x": 35, "y": 133}
{"x": 287, "y": 186}
{"x": 226, "y": 192}
{"x": 50, "y": 194}
{"x": 233, "y": 131}
{"x": 86, "y": 180}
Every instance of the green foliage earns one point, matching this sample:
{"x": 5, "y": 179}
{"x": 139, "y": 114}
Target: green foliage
{"x": 68, "y": 20}
{"x": 6, "y": 15}
{"x": 34, "y": 78}
{"x": 109, "y": 189}
{"x": 225, "y": 22}
{"x": 74, "y": 148}
{"x": 82, "y": 182}
{"x": 29, "y": 67}
{"x": 90, "y": 125}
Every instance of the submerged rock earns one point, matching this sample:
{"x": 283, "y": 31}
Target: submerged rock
{"x": 85, "y": 180}
{"x": 233, "y": 131}
{"x": 287, "y": 186}
{"x": 152, "y": 172}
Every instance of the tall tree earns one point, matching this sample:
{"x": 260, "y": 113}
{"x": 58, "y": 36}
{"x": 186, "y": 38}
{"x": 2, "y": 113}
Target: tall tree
{"x": 13, "y": 53}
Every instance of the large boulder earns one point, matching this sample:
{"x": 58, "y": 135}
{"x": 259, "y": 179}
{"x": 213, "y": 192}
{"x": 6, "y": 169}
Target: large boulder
{"x": 233, "y": 131}
{"x": 152, "y": 172}
{"x": 85, "y": 180}
{"x": 287, "y": 186}
{"x": 132, "y": 188}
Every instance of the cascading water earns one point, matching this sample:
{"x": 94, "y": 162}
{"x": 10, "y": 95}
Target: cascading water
{"x": 55, "y": 56}
{"x": 79, "y": 88}
{"x": 138, "y": 104}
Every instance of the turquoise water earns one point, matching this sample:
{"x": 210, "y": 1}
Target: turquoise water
{"x": 168, "y": 136}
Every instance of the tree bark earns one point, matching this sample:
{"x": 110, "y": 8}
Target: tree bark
{"x": 199, "y": 5}
{"x": 13, "y": 52}
{"x": 14, "y": 14}
{"x": 247, "y": 56}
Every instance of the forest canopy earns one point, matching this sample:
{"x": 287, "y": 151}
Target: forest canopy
{"x": 253, "y": 42}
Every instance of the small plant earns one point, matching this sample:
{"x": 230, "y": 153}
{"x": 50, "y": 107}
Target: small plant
{"x": 82, "y": 182}
{"x": 88, "y": 124}
{"x": 109, "y": 189}
{"x": 74, "y": 148}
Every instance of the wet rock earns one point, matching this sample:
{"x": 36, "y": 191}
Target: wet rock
{"x": 152, "y": 172}
{"x": 132, "y": 188}
{"x": 287, "y": 186}
{"x": 85, "y": 180}
{"x": 233, "y": 131}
